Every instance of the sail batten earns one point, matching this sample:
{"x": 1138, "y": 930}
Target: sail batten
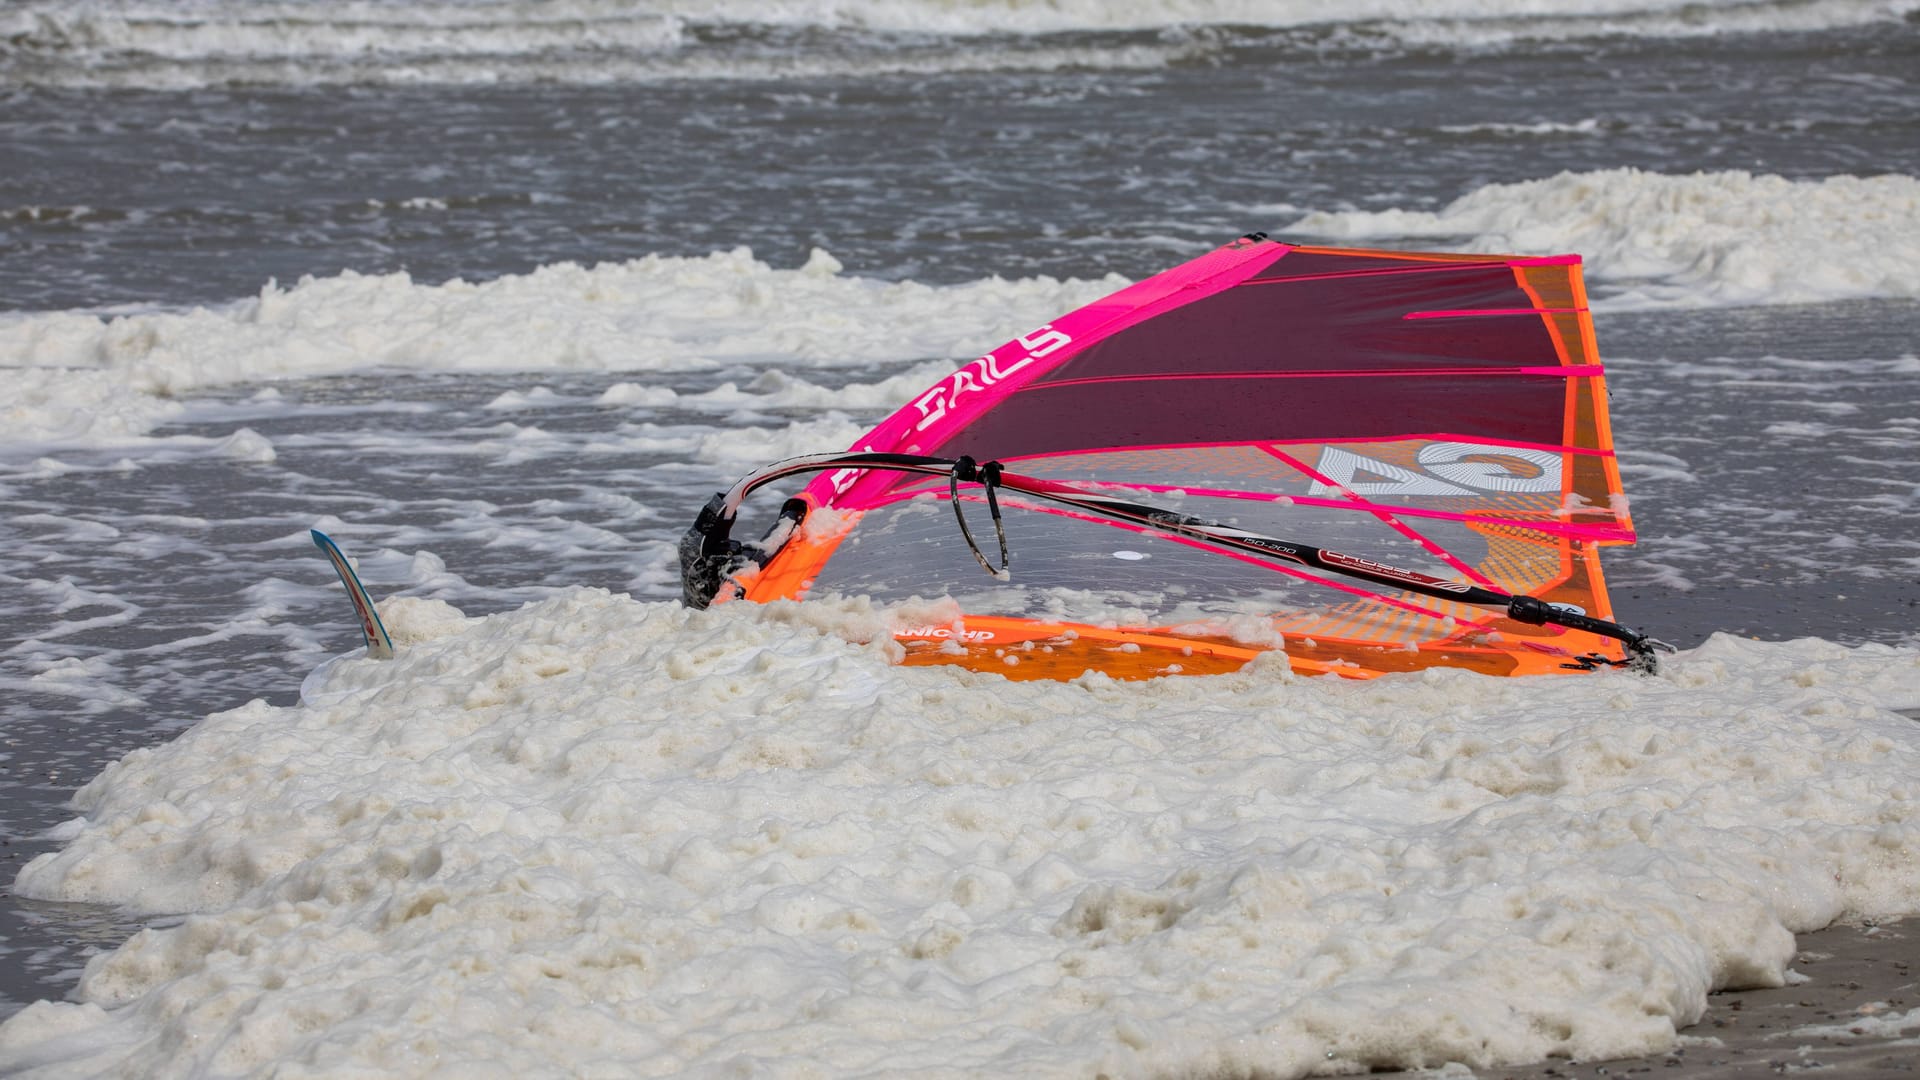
{"x": 1557, "y": 372}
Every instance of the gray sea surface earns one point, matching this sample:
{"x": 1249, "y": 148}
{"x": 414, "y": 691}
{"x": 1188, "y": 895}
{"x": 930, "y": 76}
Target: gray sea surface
{"x": 1772, "y": 451}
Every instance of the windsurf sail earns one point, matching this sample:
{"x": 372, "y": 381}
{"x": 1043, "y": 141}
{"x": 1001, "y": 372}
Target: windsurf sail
{"x": 1373, "y": 460}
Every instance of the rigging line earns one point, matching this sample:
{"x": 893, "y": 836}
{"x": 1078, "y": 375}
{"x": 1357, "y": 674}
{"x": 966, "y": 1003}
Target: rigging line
{"x": 1524, "y": 520}
{"x": 709, "y": 558}
{"x": 1446, "y": 436}
{"x": 988, "y": 476}
{"x": 1530, "y": 610}
{"x": 1572, "y": 531}
{"x": 1386, "y": 518}
{"x": 1289, "y": 570}
{"x": 1277, "y": 567}
{"x": 1318, "y": 440}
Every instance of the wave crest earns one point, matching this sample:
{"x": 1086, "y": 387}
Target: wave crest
{"x": 152, "y": 44}
{"x": 1718, "y": 239}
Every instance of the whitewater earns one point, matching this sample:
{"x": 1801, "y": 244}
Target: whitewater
{"x": 596, "y": 833}
{"x": 576, "y": 829}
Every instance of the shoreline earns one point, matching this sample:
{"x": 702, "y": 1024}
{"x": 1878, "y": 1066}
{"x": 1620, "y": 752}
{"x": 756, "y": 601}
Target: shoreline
{"x": 1836, "y": 1022}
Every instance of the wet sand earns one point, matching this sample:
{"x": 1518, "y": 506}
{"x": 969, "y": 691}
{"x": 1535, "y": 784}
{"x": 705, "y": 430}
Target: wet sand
{"x": 1834, "y": 1024}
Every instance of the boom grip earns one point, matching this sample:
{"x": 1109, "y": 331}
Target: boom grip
{"x": 1537, "y": 612}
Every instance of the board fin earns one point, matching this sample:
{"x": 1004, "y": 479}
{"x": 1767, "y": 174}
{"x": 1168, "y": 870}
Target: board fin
{"x": 379, "y": 645}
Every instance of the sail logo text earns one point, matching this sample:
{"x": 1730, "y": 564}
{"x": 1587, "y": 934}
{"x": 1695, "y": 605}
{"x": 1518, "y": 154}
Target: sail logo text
{"x": 1343, "y": 561}
{"x": 1444, "y": 468}
{"x": 943, "y": 632}
{"x": 985, "y": 372}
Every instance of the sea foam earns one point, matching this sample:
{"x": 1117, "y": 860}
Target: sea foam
{"x": 1649, "y": 240}
{"x": 601, "y": 835}
{"x": 1706, "y": 239}
{"x": 99, "y": 379}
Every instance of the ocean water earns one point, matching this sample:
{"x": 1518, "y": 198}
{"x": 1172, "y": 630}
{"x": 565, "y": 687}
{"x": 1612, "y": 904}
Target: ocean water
{"x": 499, "y": 293}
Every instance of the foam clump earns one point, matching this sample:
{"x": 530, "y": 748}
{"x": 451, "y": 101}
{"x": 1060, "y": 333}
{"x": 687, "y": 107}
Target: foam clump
{"x": 1704, "y": 239}
{"x": 97, "y": 379}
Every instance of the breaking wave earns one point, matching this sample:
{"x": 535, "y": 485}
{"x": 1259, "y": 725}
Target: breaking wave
{"x": 158, "y": 45}
{"x": 1649, "y": 240}
{"x": 98, "y": 377}
{"x": 1710, "y": 239}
